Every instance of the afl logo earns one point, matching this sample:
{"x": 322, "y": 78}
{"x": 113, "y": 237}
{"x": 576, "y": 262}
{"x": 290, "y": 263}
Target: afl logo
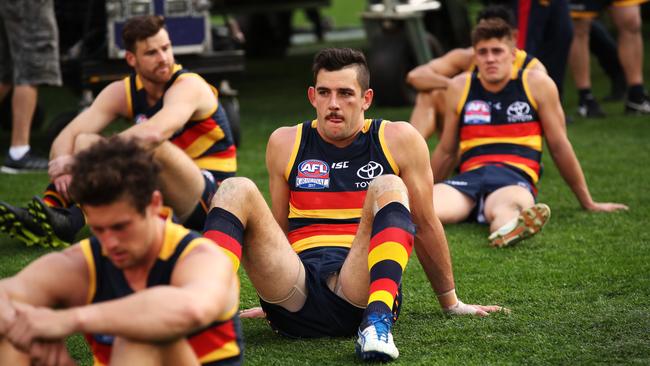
{"x": 370, "y": 170}
{"x": 313, "y": 174}
{"x": 477, "y": 112}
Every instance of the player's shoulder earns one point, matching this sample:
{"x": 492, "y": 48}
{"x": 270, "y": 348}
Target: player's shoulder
{"x": 284, "y": 134}
{"x": 400, "y": 133}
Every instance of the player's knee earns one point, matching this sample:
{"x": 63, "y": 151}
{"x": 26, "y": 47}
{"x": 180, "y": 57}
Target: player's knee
{"x": 386, "y": 189}
{"x": 235, "y": 188}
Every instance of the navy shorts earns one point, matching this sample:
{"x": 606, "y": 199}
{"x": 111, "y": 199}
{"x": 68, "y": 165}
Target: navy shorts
{"x": 196, "y": 220}
{"x": 324, "y": 314}
{"x": 479, "y": 183}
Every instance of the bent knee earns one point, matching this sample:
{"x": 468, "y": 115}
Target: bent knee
{"x": 234, "y": 188}
{"x": 386, "y": 189}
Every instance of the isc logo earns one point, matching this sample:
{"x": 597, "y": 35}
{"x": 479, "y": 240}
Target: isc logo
{"x": 313, "y": 168}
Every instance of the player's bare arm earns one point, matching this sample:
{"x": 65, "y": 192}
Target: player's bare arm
{"x": 278, "y": 151}
{"x": 200, "y": 283}
{"x": 430, "y": 241}
{"x": 188, "y": 98}
{"x": 36, "y": 284}
{"x": 110, "y": 104}
{"x": 550, "y": 110}
{"x": 445, "y": 153}
{"x": 436, "y": 73}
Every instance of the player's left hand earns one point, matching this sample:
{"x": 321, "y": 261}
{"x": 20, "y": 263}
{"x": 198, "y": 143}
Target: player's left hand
{"x": 59, "y": 166}
{"x": 606, "y": 207}
{"x": 480, "y": 310}
{"x": 38, "y": 324}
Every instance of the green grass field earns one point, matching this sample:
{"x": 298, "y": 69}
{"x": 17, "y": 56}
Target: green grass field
{"x": 579, "y": 292}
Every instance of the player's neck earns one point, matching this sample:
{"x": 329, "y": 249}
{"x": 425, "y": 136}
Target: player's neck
{"x": 494, "y": 87}
{"x": 137, "y": 276}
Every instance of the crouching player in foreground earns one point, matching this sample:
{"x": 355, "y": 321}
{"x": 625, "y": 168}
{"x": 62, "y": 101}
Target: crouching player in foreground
{"x": 347, "y": 194}
{"x": 143, "y": 290}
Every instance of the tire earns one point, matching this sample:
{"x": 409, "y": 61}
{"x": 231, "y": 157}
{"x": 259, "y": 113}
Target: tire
{"x": 58, "y": 123}
{"x": 231, "y": 107}
{"x": 390, "y": 58}
{"x": 267, "y": 34}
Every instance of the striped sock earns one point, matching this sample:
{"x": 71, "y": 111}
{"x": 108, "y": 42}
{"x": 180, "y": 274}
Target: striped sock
{"x": 391, "y": 244}
{"x": 227, "y": 231}
{"x": 52, "y": 198}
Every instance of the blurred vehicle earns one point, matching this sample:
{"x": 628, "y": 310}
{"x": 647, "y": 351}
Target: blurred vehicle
{"x": 92, "y": 53}
{"x": 408, "y": 33}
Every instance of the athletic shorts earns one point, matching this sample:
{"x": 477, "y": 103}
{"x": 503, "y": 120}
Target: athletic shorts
{"x": 479, "y": 183}
{"x": 591, "y": 8}
{"x": 324, "y": 314}
{"x": 29, "y": 45}
{"x": 196, "y": 220}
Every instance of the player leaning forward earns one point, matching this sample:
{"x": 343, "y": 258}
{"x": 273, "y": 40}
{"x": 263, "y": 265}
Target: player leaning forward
{"x": 143, "y": 290}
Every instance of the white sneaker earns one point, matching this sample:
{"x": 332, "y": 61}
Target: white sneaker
{"x": 375, "y": 342}
{"x": 529, "y": 223}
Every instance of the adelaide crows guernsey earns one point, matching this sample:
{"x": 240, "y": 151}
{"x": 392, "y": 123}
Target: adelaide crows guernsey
{"x": 207, "y": 140}
{"x": 328, "y": 184}
{"x": 218, "y": 341}
{"x": 500, "y": 128}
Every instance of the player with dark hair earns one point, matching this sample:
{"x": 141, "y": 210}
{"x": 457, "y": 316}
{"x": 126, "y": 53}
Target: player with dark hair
{"x": 498, "y": 122}
{"x": 143, "y": 290}
{"x": 432, "y": 78}
{"x": 176, "y": 111}
{"x": 347, "y": 195}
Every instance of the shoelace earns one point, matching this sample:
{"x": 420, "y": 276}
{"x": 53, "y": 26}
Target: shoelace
{"x": 382, "y": 324}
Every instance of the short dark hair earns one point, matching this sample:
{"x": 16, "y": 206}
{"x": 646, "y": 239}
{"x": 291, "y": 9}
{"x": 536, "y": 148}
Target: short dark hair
{"x": 113, "y": 169}
{"x": 139, "y": 28}
{"x": 498, "y": 12}
{"x": 491, "y": 28}
{"x": 334, "y": 59}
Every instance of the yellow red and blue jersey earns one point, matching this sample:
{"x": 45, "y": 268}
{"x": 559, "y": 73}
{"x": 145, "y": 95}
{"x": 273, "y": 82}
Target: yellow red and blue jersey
{"x": 500, "y": 128}
{"x": 220, "y": 341}
{"x": 328, "y": 184}
{"x": 206, "y": 139}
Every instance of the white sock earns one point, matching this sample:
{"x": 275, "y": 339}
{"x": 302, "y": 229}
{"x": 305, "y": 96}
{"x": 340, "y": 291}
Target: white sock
{"x": 17, "y": 152}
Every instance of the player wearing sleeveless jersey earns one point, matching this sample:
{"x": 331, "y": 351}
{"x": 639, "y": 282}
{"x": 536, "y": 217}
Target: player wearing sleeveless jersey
{"x": 347, "y": 193}
{"x": 143, "y": 290}
{"x": 431, "y": 79}
{"x": 497, "y": 120}
{"x": 176, "y": 111}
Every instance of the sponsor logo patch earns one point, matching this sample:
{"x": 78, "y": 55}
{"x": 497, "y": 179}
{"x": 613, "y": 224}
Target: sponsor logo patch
{"x": 370, "y": 170}
{"x": 313, "y": 174}
{"x": 477, "y": 112}
{"x": 519, "y": 112}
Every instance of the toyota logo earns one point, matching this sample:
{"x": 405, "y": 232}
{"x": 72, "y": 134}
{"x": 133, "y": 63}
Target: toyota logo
{"x": 518, "y": 109}
{"x": 370, "y": 170}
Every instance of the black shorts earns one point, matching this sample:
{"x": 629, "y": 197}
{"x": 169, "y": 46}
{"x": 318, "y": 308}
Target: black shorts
{"x": 479, "y": 183}
{"x": 324, "y": 314}
{"x": 196, "y": 220}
